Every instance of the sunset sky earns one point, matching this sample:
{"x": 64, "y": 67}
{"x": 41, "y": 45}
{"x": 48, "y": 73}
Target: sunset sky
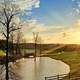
{"x": 56, "y": 21}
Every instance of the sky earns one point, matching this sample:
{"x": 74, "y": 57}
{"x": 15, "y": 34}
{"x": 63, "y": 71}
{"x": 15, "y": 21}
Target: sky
{"x": 54, "y": 12}
{"x": 55, "y": 21}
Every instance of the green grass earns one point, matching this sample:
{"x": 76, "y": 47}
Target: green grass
{"x": 2, "y": 53}
{"x": 70, "y": 58}
{"x": 67, "y": 56}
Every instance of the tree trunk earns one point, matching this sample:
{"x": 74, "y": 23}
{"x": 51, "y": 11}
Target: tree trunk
{"x": 7, "y": 50}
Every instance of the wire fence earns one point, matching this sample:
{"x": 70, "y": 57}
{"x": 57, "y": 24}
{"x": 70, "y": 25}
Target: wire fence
{"x": 63, "y": 77}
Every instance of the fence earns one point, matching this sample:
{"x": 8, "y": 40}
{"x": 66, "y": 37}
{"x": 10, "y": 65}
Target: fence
{"x": 62, "y": 77}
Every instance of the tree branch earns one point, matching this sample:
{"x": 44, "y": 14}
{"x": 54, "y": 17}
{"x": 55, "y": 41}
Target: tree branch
{"x": 2, "y": 23}
{"x": 5, "y": 14}
{"x": 4, "y": 34}
{"x": 14, "y": 29}
{"x": 10, "y": 18}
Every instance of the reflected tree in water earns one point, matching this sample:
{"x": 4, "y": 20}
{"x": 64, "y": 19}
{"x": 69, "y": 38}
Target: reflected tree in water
{"x": 13, "y": 75}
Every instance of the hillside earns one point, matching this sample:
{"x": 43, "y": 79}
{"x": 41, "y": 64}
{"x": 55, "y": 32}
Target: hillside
{"x": 57, "y": 47}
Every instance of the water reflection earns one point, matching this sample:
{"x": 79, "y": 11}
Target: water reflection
{"x": 44, "y": 66}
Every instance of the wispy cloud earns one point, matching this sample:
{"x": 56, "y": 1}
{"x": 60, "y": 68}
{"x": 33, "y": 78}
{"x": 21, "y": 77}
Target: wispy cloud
{"x": 27, "y": 4}
{"x": 76, "y": 7}
{"x": 23, "y": 4}
{"x": 70, "y": 35}
{"x": 34, "y": 26}
{"x": 53, "y": 34}
{"x": 45, "y": 31}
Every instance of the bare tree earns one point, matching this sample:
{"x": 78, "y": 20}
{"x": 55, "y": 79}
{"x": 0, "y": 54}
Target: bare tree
{"x": 18, "y": 42}
{"x": 7, "y": 12}
{"x": 35, "y": 35}
{"x": 24, "y": 47}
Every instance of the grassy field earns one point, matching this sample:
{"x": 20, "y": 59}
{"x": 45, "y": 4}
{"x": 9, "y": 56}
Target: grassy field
{"x": 72, "y": 59}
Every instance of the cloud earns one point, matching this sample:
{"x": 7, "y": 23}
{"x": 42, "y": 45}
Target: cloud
{"x": 26, "y": 5}
{"x": 53, "y": 34}
{"x": 34, "y": 26}
{"x": 76, "y": 7}
{"x": 46, "y": 32}
{"x": 77, "y": 24}
{"x": 70, "y": 35}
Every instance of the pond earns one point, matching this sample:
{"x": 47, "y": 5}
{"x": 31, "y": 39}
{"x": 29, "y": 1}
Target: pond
{"x": 43, "y": 67}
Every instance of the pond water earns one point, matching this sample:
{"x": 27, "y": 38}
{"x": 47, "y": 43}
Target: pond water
{"x": 43, "y": 67}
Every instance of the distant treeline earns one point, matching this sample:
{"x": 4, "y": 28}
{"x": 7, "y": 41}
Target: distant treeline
{"x": 66, "y": 47}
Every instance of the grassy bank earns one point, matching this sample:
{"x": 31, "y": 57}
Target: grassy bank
{"x": 72, "y": 59}
{"x": 12, "y": 58}
{"x": 2, "y": 53}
